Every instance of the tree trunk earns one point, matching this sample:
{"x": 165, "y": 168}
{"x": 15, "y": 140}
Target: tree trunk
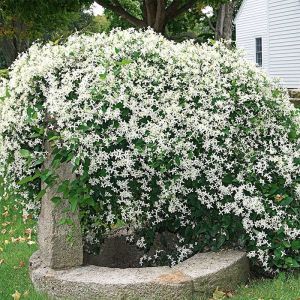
{"x": 8, "y": 50}
{"x": 224, "y": 26}
{"x": 156, "y": 13}
{"x": 160, "y": 19}
{"x": 13, "y": 44}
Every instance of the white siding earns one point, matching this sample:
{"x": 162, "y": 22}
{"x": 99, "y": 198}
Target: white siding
{"x": 284, "y": 39}
{"x": 252, "y": 23}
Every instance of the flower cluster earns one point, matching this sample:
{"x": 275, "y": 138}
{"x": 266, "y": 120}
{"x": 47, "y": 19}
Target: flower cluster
{"x": 185, "y": 138}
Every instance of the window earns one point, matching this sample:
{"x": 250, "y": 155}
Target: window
{"x": 258, "y": 42}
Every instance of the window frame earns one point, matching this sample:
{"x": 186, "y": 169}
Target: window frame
{"x": 259, "y": 51}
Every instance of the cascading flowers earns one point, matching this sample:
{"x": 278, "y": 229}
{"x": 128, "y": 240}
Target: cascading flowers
{"x": 163, "y": 137}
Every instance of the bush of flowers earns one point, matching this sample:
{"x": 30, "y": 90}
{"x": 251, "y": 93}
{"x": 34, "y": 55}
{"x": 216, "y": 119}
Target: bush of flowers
{"x": 163, "y": 137}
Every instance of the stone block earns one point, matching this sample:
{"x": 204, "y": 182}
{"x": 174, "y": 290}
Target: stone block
{"x": 60, "y": 244}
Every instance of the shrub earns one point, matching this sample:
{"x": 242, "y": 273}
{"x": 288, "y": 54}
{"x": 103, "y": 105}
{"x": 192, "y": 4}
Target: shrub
{"x": 172, "y": 137}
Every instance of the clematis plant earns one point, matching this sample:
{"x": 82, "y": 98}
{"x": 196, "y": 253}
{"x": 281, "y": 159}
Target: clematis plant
{"x": 163, "y": 137}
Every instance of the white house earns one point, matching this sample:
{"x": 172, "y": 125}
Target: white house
{"x": 269, "y": 31}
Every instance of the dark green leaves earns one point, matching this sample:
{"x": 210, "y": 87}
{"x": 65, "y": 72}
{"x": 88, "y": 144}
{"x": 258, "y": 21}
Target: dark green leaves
{"x": 295, "y": 245}
{"x": 229, "y": 179}
{"x": 293, "y": 134}
{"x": 286, "y": 201}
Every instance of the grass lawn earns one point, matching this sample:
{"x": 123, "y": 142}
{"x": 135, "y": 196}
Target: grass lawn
{"x": 17, "y": 243}
{"x": 281, "y": 288}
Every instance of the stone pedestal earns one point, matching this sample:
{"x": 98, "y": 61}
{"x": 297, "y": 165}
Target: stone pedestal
{"x": 295, "y": 96}
{"x": 196, "y": 278}
{"x": 60, "y": 245}
{"x": 56, "y": 269}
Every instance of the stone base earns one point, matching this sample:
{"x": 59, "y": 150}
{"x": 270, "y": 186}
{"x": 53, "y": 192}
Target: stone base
{"x": 295, "y": 96}
{"x": 116, "y": 252}
{"x": 294, "y": 93}
{"x": 196, "y": 277}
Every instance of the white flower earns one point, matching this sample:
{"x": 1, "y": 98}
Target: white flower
{"x": 208, "y": 11}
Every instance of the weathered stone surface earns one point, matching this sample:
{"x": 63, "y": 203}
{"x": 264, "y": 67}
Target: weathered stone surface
{"x": 193, "y": 279}
{"x": 116, "y": 252}
{"x": 60, "y": 245}
{"x": 92, "y": 282}
{"x": 209, "y": 271}
{"x": 295, "y": 96}
{"x": 294, "y": 93}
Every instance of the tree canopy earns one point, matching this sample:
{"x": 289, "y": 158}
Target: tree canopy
{"x": 24, "y": 21}
{"x": 189, "y": 20}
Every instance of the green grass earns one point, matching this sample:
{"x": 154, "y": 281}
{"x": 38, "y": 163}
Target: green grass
{"x": 15, "y": 253}
{"x": 14, "y": 275}
{"x": 282, "y": 288}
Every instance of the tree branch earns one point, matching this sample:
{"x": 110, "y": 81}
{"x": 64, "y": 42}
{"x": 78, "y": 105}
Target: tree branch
{"x": 212, "y": 27}
{"x": 117, "y": 8}
{"x": 174, "y": 10}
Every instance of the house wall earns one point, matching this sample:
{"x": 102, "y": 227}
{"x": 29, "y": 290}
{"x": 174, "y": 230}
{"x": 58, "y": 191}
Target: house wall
{"x": 252, "y": 22}
{"x": 284, "y": 41}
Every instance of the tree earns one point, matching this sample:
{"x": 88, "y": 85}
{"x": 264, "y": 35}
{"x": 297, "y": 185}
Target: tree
{"x": 152, "y": 13}
{"x": 22, "y": 21}
{"x": 223, "y": 29}
{"x": 225, "y": 16}
{"x": 164, "y": 15}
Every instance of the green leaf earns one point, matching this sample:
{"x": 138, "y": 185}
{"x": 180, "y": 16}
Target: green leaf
{"x": 25, "y": 153}
{"x": 293, "y": 134}
{"x": 38, "y": 162}
{"x": 297, "y": 161}
{"x": 55, "y": 163}
{"x": 228, "y": 179}
{"x": 54, "y": 138}
{"x": 102, "y": 173}
{"x": 74, "y": 203}
{"x": 177, "y": 160}
{"x": 66, "y": 221}
{"x": 46, "y": 173}
{"x": 56, "y": 200}
{"x": 29, "y": 179}
{"x": 64, "y": 188}
{"x": 89, "y": 201}
{"x": 120, "y": 139}
{"x": 77, "y": 161}
{"x": 291, "y": 262}
{"x": 40, "y": 195}
{"x": 31, "y": 113}
{"x": 286, "y": 201}
{"x": 220, "y": 241}
{"x": 103, "y": 76}
{"x": 124, "y": 62}
{"x": 295, "y": 245}
{"x": 286, "y": 244}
